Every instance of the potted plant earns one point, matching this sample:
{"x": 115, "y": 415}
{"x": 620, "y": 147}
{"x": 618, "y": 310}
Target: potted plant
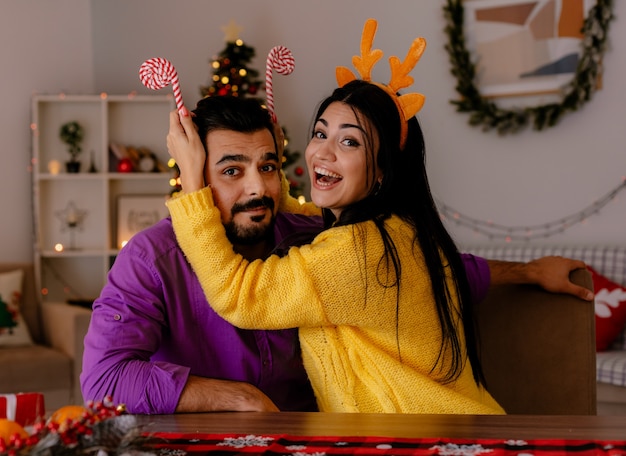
{"x": 72, "y": 134}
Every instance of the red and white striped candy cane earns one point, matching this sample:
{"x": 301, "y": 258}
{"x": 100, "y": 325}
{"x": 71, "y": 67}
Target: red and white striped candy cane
{"x": 157, "y": 73}
{"x": 280, "y": 59}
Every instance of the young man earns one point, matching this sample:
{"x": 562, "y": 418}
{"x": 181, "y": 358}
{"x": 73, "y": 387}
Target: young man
{"x": 155, "y": 344}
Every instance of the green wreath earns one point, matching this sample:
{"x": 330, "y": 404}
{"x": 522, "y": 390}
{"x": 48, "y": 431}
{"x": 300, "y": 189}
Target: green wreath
{"x": 485, "y": 113}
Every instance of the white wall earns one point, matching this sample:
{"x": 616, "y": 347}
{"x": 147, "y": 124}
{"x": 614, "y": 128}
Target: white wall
{"x": 45, "y": 47}
{"x": 527, "y": 178}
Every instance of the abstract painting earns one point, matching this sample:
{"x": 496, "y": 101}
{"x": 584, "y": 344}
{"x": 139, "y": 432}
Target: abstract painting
{"x": 524, "y": 47}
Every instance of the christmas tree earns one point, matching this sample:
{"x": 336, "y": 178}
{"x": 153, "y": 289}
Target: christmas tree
{"x": 232, "y": 76}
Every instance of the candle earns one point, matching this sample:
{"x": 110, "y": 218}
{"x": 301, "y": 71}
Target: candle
{"x": 72, "y": 218}
{"x": 54, "y": 166}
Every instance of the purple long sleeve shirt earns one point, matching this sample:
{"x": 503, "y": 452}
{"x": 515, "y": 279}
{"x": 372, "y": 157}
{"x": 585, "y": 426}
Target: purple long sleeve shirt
{"x": 152, "y": 327}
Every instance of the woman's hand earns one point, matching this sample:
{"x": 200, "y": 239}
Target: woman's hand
{"x": 185, "y": 147}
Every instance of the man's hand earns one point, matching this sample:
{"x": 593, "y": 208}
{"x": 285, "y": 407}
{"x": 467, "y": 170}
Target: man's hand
{"x": 550, "y": 272}
{"x": 212, "y": 395}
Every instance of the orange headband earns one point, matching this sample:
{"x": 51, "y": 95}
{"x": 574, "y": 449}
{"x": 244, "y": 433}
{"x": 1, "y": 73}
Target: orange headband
{"x": 409, "y": 104}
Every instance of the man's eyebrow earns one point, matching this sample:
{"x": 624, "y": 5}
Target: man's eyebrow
{"x": 239, "y": 158}
{"x": 271, "y": 156}
{"x": 242, "y": 158}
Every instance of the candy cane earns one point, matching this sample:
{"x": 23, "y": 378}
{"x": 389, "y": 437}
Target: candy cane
{"x": 157, "y": 73}
{"x": 280, "y": 59}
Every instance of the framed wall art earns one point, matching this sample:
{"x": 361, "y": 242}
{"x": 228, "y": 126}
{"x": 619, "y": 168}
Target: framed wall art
{"x": 524, "y": 47}
{"x": 136, "y": 213}
{"x": 527, "y": 48}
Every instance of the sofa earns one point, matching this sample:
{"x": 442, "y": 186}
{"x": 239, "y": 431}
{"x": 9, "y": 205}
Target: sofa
{"x": 610, "y": 263}
{"x": 47, "y": 357}
{"x": 532, "y": 366}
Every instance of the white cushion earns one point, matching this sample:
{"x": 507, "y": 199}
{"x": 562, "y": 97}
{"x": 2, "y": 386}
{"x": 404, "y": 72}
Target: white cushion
{"x": 13, "y": 329}
{"x": 611, "y": 367}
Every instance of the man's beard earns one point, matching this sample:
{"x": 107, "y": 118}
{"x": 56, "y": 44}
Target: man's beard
{"x": 255, "y": 232}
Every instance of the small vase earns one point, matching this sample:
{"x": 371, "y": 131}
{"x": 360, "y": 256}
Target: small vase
{"x": 72, "y": 166}
{"x": 92, "y": 165}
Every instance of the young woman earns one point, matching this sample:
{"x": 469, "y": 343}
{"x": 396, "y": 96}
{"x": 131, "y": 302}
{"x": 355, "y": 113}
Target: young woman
{"x": 380, "y": 296}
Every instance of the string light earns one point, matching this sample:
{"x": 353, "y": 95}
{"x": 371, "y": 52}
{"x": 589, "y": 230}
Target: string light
{"x": 496, "y": 231}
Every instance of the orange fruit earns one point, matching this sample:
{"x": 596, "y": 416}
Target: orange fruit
{"x": 9, "y": 428}
{"x": 67, "y": 413}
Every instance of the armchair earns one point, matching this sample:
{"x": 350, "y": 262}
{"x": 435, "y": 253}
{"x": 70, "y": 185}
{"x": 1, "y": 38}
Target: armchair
{"x": 51, "y": 364}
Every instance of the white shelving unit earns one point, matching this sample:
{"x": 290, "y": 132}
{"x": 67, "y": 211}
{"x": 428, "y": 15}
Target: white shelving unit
{"x": 72, "y": 263}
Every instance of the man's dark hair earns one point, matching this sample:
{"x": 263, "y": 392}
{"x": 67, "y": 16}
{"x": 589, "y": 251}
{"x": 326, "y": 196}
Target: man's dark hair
{"x": 244, "y": 115}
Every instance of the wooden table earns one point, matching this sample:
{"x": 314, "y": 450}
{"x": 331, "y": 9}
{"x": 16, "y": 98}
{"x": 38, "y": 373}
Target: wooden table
{"x": 393, "y": 425}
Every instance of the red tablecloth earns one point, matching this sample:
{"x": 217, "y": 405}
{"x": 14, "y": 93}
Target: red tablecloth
{"x": 233, "y": 444}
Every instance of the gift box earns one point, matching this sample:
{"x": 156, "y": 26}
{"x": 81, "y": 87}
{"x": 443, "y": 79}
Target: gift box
{"x": 23, "y": 408}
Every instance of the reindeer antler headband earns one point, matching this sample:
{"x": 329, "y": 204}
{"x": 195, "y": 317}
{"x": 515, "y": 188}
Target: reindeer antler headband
{"x": 408, "y": 104}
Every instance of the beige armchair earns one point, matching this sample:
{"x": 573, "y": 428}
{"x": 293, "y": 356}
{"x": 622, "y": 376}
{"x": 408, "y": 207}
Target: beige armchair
{"x": 52, "y": 365}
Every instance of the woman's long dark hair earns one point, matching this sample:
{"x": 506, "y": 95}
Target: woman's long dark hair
{"x": 405, "y": 191}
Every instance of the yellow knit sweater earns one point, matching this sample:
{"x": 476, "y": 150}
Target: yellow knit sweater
{"x": 362, "y": 352}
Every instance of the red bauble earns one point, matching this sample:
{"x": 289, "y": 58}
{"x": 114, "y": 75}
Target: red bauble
{"x": 125, "y": 165}
{"x": 299, "y": 170}
{"x": 252, "y": 89}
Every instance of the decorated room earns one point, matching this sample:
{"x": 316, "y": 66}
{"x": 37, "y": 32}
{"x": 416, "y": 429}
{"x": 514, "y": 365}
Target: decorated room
{"x": 523, "y": 115}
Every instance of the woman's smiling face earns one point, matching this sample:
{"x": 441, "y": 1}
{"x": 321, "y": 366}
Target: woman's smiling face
{"x": 339, "y": 159}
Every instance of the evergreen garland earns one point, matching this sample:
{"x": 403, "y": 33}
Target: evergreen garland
{"x": 485, "y": 113}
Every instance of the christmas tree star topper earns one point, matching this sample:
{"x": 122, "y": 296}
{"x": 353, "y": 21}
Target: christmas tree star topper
{"x": 231, "y": 31}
